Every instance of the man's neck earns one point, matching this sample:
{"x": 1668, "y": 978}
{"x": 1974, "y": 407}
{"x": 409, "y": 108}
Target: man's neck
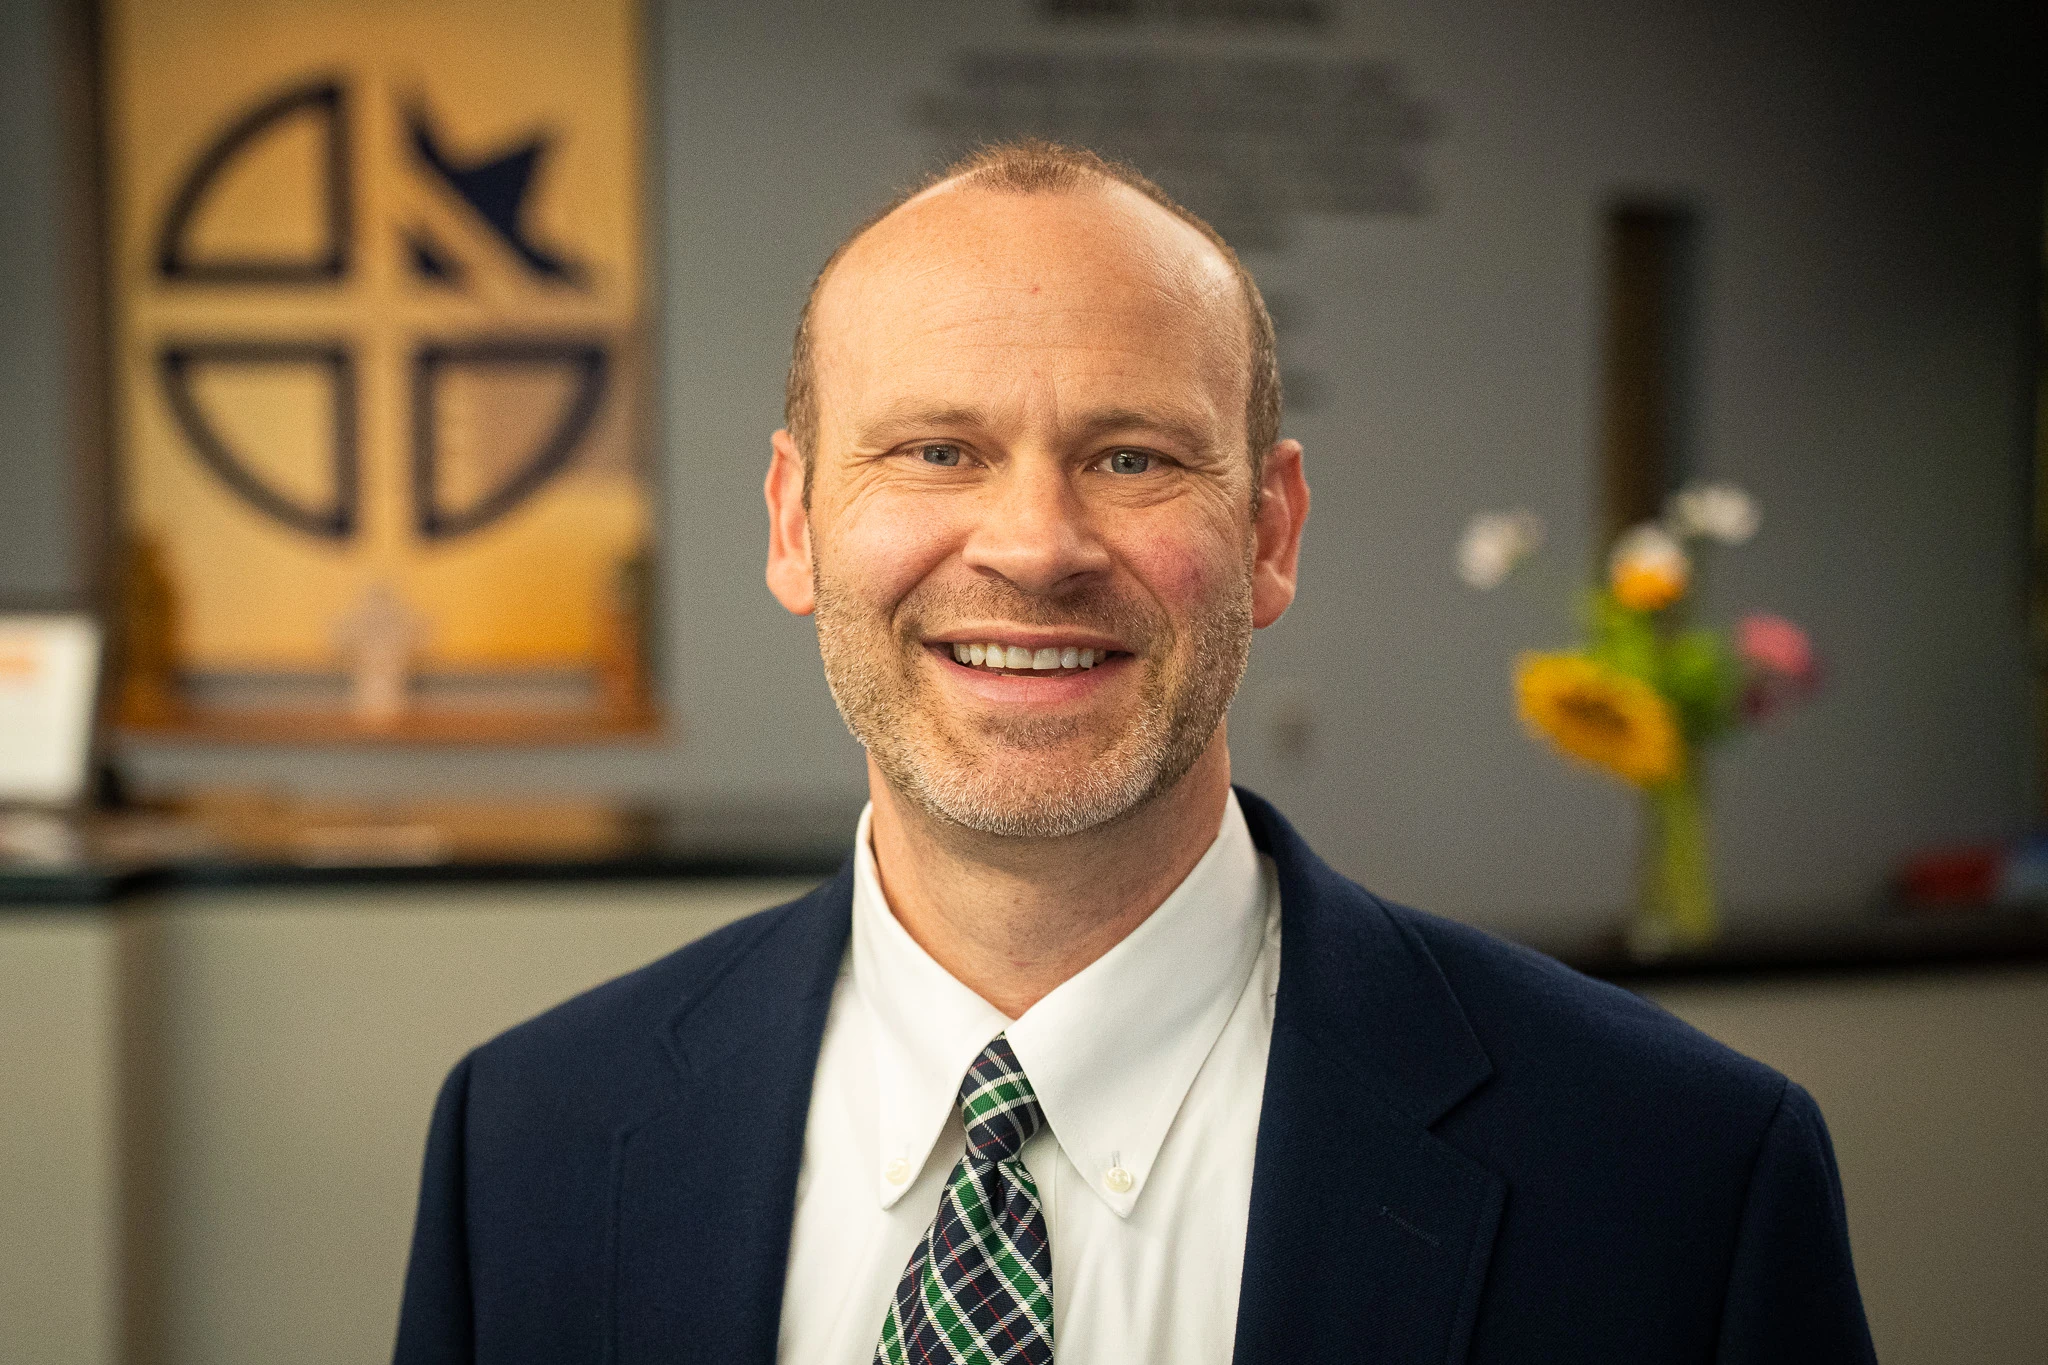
{"x": 1009, "y": 918}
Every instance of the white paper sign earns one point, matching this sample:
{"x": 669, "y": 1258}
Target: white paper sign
{"x": 49, "y": 675}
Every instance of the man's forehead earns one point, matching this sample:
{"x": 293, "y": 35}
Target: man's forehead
{"x": 957, "y": 236}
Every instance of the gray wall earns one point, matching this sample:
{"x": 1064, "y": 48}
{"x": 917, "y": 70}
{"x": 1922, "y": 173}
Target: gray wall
{"x": 38, "y": 550}
{"x": 1870, "y": 199}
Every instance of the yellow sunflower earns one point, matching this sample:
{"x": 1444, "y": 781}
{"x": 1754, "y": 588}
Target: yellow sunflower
{"x": 1600, "y": 716}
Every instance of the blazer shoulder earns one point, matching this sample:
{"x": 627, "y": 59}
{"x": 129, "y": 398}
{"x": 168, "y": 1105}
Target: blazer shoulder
{"x": 1450, "y": 1011}
{"x": 1541, "y": 1022}
{"x": 599, "y": 1038}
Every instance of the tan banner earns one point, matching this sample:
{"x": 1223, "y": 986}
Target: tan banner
{"x": 379, "y": 325}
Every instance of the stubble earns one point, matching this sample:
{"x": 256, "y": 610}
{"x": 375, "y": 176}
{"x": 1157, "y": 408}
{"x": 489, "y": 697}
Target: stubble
{"x": 1032, "y": 777}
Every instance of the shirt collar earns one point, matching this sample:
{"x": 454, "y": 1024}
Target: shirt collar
{"x": 1111, "y": 1051}
{"x": 927, "y": 1028}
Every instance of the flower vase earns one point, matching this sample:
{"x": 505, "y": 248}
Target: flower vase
{"x": 1675, "y": 891}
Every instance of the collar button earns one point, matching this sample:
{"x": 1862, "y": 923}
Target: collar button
{"x": 897, "y": 1171}
{"x": 1117, "y": 1179}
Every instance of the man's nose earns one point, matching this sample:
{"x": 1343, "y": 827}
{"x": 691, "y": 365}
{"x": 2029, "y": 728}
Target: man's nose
{"x": 1035, "y": 530}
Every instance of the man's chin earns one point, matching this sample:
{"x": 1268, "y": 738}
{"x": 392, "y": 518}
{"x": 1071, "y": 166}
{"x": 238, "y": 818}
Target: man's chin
{"x": 1027, "y": 797}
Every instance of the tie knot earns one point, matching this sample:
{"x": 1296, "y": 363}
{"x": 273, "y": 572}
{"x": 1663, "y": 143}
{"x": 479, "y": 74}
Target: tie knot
{"x": 998, "y": 1104}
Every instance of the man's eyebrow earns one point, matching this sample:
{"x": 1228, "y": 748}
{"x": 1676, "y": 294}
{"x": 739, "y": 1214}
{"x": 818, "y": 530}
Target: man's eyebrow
{"x": 1190, "y": 434}
{"x": 894, "y": 422}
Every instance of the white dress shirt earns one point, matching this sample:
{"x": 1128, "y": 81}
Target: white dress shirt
{"x": 1150, "y": 1065}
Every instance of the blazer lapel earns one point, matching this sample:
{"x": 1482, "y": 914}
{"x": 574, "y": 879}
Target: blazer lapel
{"x": 1369, "y": 1236}
{"x": 705, "y": 1190}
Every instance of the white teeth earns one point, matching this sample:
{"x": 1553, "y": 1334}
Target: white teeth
{"x": 1019, "y": 657}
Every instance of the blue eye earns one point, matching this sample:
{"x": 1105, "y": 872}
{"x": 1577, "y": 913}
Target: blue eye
{"x": 945, "y": 456}
{"x": 1129, "y": 462}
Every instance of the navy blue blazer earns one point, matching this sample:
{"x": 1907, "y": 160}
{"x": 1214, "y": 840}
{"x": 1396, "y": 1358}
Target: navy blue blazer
{"x": 1466, "y": 1152}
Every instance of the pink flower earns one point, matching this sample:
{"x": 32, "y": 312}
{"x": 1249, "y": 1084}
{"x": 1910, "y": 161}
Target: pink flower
{"x": 1782, "y": 658}
{"x": 1776, "y": 646}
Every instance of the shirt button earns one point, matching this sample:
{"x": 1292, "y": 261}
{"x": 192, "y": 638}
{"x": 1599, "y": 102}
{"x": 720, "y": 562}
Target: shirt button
{"x": 1118, "y": 1179}
{"x": 898, "y": 1171}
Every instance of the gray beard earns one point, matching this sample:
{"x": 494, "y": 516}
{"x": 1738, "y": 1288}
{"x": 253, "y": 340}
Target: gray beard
{"x": 874, "y": 682}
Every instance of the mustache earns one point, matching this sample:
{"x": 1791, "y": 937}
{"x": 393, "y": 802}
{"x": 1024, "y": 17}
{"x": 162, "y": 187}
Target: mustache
{"x": 1097, "y": 609}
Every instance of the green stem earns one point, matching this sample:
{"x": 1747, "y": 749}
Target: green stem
{"x": 1677, "y": 890}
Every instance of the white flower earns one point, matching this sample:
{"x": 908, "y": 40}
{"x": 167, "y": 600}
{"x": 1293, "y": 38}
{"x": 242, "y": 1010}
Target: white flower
{"x": 1493, "y": 543}
{"x": 1649, "y": 545}
{"x": 1718, "y": 511}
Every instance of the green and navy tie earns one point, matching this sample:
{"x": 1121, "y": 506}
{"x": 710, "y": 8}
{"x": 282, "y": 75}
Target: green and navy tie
{"x": 978, "y": 1290}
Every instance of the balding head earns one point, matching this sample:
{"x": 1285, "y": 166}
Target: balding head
{"x": 1190, "y": 258}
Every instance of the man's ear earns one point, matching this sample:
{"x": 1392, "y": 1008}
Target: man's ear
{"x": 1283, "y": 507}
{"x": 789, "y": 528}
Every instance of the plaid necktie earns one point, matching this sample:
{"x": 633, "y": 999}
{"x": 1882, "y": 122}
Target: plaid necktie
{"x": 978, "y": 1290}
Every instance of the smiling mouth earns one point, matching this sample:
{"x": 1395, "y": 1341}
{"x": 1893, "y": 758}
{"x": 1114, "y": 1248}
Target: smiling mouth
{"x": 998, "y": 658}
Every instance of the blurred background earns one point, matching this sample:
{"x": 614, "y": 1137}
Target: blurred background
{"x": 387, "y": 387}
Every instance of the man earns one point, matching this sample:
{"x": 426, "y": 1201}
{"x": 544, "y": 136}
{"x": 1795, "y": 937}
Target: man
{"x": 1085, "y": 1056}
